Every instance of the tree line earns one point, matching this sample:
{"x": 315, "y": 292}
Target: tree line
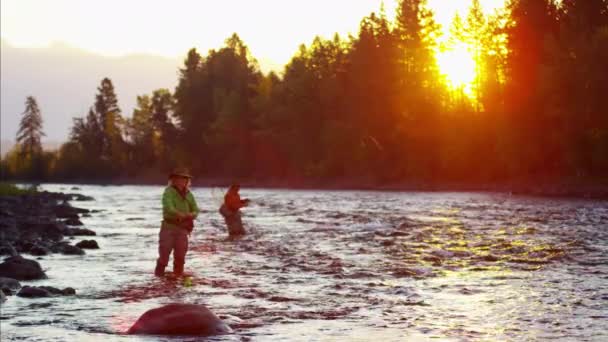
{"x": 373, "y": 108}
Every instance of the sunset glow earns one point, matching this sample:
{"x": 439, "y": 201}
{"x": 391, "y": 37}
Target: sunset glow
{"x": 273, "y": 29}
{"x": 456, "y": 60}
{"x": 458, "y": 67}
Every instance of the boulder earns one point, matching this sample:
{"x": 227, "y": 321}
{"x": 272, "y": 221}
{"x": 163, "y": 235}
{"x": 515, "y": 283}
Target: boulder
{"x": 9, "y": 283}
{"x": 33, "y": 292}
{"x": 44, "y": 291}
{"x": 65, "y": 210}
{"x": 17, "y": 267}
{"x": 8, "y": 249}
{"x": 88, "y": 244}
{"x": 180, "y": 319}
{"x": 38, "y": 250}
{"x": 44, "y": 230}
{"x": 80, "y": 231}
{"x": 8, "y": 229}
{"x": 72, "y": 250}
{"x": 67, "y": 249}
{"x": 73, "y": 222}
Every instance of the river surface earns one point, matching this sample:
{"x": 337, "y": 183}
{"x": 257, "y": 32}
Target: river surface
{"x": 337, "y": 266}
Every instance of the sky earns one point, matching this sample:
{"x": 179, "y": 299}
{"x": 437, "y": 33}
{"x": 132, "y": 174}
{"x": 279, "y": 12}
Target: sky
{"x": 273, "y": 29}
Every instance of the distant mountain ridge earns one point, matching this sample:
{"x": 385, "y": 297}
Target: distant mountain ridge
{"x": 64, "y": 81}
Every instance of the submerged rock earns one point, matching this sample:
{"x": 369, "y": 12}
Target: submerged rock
{"x": 88, "y": 244}
{"x": 67, "y": 249}
{"x": 73, "y": 222}
{"x": 180, "y": 319}
{"x": 80, "y": 231}
{"x": 9, "y": 283}
{"x": 44, "y": 291}
{"x": 39, "y": 250}
{"x": 66, "y": 211}
{"x": 17, "y": 267}
{"x": 79, "y": 197}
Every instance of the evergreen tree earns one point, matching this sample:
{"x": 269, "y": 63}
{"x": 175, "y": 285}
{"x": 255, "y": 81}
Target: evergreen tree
{"x": 30, "y": 128}
{"x": 110, "y": 121}
{"x": 30, "y": 157}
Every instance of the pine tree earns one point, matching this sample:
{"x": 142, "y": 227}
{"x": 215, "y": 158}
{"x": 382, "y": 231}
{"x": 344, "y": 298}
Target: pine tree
{"x": 30, "y": 128}
{"x": 109, "y": 117}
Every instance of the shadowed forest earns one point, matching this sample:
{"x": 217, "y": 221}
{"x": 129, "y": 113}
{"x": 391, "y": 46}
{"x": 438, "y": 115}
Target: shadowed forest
{"x": 373, "y": 109}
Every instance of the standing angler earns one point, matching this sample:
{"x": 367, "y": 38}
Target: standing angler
{"x": 179, "y": 212}
{"x": 231, "y": 210}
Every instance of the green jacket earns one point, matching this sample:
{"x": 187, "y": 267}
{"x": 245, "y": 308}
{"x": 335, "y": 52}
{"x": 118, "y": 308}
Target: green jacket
{"x": 174, "y": 203}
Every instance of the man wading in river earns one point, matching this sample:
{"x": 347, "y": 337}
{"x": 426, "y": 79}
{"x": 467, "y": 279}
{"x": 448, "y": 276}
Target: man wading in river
{"x": 179, "y": 212}
{"x": 231, "y": 210}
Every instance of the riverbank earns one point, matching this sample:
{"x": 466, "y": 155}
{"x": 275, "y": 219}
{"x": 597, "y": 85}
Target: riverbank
{"x": 597, "y": 189}
{"x": 38, "y": 224}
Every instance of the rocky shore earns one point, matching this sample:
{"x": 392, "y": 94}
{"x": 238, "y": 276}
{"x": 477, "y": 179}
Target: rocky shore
{"x": 33, "y": 225}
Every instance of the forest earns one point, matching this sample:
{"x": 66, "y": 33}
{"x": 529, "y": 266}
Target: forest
{"x": 371, "y": 109}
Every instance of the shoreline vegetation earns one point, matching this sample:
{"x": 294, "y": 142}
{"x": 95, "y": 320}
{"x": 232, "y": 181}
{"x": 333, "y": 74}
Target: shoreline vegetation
{"x": 587, "y": 190}
{"x": 368, "y": 111}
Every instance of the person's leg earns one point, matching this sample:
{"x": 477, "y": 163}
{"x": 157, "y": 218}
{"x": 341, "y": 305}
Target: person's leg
{"x": 165, "y": 245}
{"x": 235, "y": 224}
{"x": 181, "y": 248}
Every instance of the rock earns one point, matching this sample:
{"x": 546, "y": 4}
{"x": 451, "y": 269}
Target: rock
{"x": 79, "y": 197}
{"x": 44, "y": 291}
{"x": 180, "y": 319}
{"x": 65, "y": 210}
{"x": 73, "y": 222}
{"x": 2, "y": 297}
{"x": 8, "y": 250}
{"x": 33, "y": 292}
{"x": 80, "y": 231}
{"x": 9, "y": 283}
{"x": 24, "y": 246}
{"x": 67, "y": 249}
{"x": 44, "y": 230}
{"x": 4, "y": 212}
{"x": 88, "y": 244}
{"x": 39, "y": 250}
{"x": 68, "y": 291}
{"x": 17, "y": 267}
{"x": 8, "y": 229}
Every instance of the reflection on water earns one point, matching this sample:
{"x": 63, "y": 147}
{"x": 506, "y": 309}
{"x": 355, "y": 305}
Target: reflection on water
{"x": 337, "y": 266}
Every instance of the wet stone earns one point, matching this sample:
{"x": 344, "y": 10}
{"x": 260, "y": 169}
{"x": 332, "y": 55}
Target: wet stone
{"x": 19, "y": 268}
{"x": 81, "y": 231}
{"x": 44, "y": 291}
{"x": 39, "y": 250}
{"x": 88, "y": 244}
{"x": 73, "y": 222}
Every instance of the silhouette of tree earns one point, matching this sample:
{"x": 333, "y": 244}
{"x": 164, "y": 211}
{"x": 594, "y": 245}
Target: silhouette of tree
{"x": 30, "y": 128}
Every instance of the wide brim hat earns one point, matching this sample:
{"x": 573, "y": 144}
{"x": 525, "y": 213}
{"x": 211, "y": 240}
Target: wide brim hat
{"x": 180, "y": 172}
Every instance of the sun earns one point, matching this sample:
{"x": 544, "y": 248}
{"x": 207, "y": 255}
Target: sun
{"x": 458, "y": 66}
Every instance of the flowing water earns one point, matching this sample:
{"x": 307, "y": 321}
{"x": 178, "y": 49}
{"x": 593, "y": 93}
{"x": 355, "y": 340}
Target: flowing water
{"x": 337, "y": 266}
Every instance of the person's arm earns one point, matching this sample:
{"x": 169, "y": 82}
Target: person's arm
{"x": 193, "y": 206}
{"x": 169, "y": 210}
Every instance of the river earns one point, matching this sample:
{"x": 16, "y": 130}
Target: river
{"x": 337, "y": 266}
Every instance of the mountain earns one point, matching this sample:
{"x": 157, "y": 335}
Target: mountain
{"x": 64, "y": 81}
